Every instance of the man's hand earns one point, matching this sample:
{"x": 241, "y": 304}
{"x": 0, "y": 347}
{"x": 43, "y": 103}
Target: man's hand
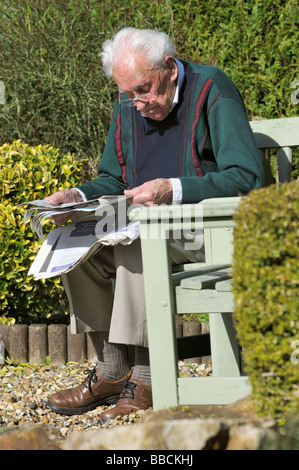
{"x": 62, "y": 197}
{"x": 158, "y": 191}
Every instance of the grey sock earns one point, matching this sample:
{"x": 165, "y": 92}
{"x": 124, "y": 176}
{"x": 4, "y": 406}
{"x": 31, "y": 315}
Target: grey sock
{"x": 112, "y": 357}
{"x": 141, "y": 369}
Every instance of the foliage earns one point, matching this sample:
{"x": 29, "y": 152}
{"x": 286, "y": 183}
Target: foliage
{"x": 28, "y": 173}
{"x": 266, "y": 278}
{"x": 56, "y": 92}
{"x": 200, "y": 317}
{"x": 285, "y": 437}
{"x": 252, "y": 41}
{"x": 4, "y": 320}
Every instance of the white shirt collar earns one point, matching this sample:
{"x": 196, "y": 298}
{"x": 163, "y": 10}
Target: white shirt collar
{"x": 179, "y": 82}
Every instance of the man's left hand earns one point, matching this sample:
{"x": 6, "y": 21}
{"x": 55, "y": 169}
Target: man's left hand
{"x": 158, "y": 191}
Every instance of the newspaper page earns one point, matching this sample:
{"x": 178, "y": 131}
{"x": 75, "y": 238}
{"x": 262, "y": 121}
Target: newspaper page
{"x": 67, "y": 247}
{"x": 94, "y": 226}
{"x": 42, "y": 209}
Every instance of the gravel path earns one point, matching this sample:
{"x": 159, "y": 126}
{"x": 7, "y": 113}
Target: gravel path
{"x": 24, "y": 390}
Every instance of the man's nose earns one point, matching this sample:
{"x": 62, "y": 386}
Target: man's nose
{"x": 141, "y": 105}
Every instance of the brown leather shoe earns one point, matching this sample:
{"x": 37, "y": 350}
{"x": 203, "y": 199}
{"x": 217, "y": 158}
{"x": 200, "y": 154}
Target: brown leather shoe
{"x": 93, "y": 392}
{"x": 136, "y": 396}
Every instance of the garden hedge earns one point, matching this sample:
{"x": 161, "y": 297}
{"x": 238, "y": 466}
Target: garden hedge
{"x": 28, "y": 173}
{"x": 266, "y": 280}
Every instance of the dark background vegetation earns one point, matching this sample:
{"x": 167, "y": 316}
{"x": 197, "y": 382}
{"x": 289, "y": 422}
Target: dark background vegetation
{"x": 55, "y": 89}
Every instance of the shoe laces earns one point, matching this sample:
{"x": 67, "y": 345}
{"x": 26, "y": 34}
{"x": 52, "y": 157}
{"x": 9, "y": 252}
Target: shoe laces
{"x": 91, "y": 377}
{"x": 129, "y": 389}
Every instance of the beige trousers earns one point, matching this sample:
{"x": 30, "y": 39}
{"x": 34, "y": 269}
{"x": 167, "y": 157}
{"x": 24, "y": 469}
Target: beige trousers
{"x": 106, "y": 292}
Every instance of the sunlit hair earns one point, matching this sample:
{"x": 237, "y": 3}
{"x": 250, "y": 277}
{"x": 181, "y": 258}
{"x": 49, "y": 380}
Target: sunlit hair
{"x": 129, "y": 42}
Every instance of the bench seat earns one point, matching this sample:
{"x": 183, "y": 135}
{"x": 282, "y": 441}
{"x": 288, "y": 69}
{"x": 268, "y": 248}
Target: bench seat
{"x": 212, "y": 292}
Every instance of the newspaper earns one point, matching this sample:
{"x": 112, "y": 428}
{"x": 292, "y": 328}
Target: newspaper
{"x": 43, "y": 209}
{"x": 97, "y": 223}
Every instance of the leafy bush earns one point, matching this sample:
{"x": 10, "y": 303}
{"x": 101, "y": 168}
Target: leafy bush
{"x": 266, "y": 279}
{"x": 28, "y": 173}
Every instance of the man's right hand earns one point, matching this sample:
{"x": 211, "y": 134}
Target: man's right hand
{"x": 63, "y": 197}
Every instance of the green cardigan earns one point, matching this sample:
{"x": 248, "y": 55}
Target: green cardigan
{"x": 218, "y": 154}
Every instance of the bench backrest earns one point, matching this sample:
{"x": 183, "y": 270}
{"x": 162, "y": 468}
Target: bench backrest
{"x": 281, "y": 134}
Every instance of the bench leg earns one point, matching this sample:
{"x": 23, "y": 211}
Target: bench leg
{"x": 160, "y": 323}
{"x": 224, "y": 346}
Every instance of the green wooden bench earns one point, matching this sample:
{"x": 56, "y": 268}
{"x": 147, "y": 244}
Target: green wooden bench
{"x": 201, "y": 287}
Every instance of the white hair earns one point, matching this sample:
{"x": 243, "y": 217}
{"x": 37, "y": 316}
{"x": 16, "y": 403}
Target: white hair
{"x": 129, "y": 42}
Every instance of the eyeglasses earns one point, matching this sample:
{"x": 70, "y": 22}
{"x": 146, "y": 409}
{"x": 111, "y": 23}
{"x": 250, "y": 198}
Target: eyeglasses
{"x": 145, "y": 98}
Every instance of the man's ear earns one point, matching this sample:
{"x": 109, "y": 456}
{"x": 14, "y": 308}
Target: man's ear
{"x": 172, "y": 66}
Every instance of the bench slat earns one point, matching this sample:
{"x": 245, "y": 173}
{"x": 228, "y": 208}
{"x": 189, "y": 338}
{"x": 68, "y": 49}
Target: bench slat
{"x": 177, "y": 277}
{"x": 212, "y": 390}
{"x": 224, "y": 286}
{"x": 206, "y": 281}
{"x": 203, "y": 301}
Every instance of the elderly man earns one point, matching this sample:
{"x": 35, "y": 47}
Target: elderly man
{"x": 179, "y": 134}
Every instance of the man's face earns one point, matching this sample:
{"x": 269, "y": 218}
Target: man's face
{"x": 136, "y": 77}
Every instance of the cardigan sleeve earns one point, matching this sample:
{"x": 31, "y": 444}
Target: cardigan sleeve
{"x": 235, "y": 167}
{"x": 239, "y": 166}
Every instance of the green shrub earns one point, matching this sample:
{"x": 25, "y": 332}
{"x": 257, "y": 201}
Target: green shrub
{"x": 266, "y": 278}
{"x": 28, "y": 173}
